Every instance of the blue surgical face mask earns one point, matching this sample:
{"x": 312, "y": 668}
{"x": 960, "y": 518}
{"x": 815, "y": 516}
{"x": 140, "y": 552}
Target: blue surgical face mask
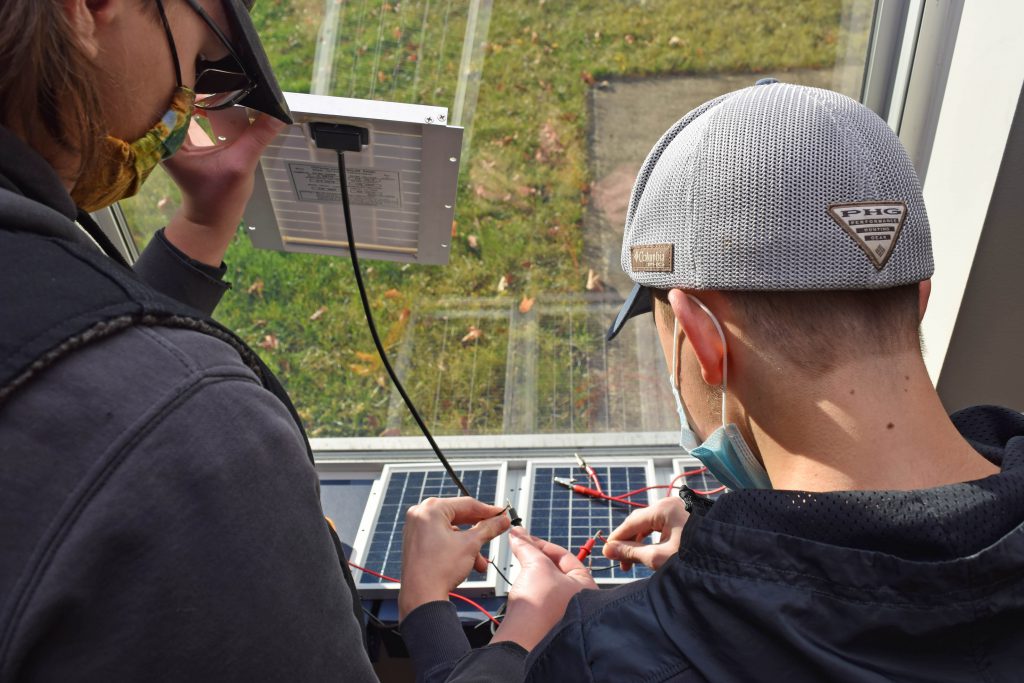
{"x": 725, "y": 453}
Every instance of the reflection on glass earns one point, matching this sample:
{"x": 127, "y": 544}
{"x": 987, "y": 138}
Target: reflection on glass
{"x": 562, "y": 101}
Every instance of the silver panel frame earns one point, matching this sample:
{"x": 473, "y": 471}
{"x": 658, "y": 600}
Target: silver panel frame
{"x": 525, "y": 502}
{"x": 371, "y": 513}
{"x": 439, "y": 172}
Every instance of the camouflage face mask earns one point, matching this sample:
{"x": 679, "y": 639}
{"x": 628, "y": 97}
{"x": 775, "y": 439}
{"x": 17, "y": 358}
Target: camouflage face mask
{"x": 119, "y": 168}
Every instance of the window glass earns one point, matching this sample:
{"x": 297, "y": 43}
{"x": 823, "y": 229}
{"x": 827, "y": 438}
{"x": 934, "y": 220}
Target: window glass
{"x": 561, "y": 102}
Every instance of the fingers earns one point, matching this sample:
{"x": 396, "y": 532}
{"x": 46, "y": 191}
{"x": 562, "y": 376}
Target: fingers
{"x": 630, "y": 552}
{"x": 640, "y": 522}
{"x": 486, "y": 529}
{"x": 559, "y": 556}
{"x": 624, "y": 551}
{"x": 537, "y": 550}
{"x": 465, "y": 510}
{"x": 260, "y": 133}
{"x": 524, "y": 549}
{"x": 480, "y": 563}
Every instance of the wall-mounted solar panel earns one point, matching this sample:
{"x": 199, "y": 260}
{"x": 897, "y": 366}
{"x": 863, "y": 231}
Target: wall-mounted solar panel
{"x": 555, "y": 513}
{"x": 378, "y": 543}
{"x": 696, "y": 477}
{"x": 402, "y": 185}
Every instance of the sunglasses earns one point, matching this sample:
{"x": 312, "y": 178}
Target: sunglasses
{"x": 219, "y": 84}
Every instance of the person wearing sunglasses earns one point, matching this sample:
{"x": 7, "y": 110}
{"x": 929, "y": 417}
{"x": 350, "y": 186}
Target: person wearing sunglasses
{"x": 159, "y": 512}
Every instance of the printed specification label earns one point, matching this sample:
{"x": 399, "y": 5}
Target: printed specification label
{"x": 366, "y": 186}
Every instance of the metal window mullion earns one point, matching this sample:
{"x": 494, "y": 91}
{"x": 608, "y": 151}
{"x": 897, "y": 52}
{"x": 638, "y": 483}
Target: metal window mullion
{"x": 890, "y": 56}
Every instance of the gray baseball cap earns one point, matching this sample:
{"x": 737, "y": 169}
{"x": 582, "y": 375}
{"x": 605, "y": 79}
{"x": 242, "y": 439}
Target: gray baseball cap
{"x": 775, "y": 187}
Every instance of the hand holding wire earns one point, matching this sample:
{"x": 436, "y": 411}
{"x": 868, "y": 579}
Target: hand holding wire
{"x": 667, "y": 516}
{"x": 436, "y": 555}
{"x": 549, "y": 577}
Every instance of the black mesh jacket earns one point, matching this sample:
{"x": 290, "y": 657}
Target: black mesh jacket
{"x": 923, "y": 585}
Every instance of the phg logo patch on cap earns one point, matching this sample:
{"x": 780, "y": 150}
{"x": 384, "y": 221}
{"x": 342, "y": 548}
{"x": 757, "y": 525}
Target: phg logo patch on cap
{"x": 874, "y": 226}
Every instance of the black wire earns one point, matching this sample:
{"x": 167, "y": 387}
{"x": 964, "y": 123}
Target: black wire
{"x": 393, "y": 628}
{"x": 373, "y": 329}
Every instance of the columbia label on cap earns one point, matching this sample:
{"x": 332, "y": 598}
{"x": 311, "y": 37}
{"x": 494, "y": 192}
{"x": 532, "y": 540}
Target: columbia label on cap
{"x": 651, "y": 258}
{"x": 874, "y": 226}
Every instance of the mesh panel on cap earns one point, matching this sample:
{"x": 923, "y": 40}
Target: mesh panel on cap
{"x": 741, "y": 187}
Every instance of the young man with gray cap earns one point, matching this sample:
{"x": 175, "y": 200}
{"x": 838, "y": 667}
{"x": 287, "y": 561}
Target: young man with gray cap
{"x": 779, "y": 235}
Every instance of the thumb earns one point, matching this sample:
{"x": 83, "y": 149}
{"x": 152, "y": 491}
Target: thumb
{"x": 525, "y": 551}
{"x": 629, "y": 552}
{"x": 486, "y": 529}
{"x": 260, "y": 133}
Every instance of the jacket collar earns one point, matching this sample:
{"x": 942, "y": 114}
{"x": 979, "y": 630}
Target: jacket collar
{"x": 33, "y": 199}
{"x": 23, "y": 171}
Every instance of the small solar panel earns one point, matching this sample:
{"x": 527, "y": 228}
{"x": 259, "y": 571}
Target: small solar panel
{"x": 696, "y": 477}
{"x": 402, "y": 184}
{"x": 378, "y": 544}
{"x": 569, "y": 519}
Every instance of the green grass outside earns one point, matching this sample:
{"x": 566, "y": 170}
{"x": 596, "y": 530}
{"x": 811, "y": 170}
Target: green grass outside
{"x": 523, "y": 189}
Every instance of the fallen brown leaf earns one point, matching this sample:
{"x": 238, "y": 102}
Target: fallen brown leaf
{"x": 270, "y": 342}
{"x": 392, "y": 294}
{"x": 526, "y": 304}
{"x": 502, "y": 284}
{"x": 474, "y": 334}
{"x": 587, "y": 77}
{"x": 594, "y": 282}
{"x": 256, "y": 288}
{"x": 365, "y": 357}
{"x": 318, "y": 312}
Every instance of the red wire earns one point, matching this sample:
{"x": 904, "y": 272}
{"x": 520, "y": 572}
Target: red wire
{"x": 584, "y": 491}
{"x": 679, "y": 476}
{"x": 709, "y": 492}
{"x": 646, "y": 488}
{"x": 451, "y": 595}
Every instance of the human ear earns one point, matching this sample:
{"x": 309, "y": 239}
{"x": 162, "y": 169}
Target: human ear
{"x": 83, "y": 25}
{"x": 924, "y": 290}
{"x": 702, "y": 333}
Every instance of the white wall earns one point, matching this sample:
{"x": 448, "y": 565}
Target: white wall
{"x": 984, "y": 84}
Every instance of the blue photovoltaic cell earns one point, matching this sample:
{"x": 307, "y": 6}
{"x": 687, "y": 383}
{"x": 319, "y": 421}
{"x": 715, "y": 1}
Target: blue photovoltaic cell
{"x": 703, "y": 482}
{"x": 405, "y": 489}
{"x": 570, "y": 519}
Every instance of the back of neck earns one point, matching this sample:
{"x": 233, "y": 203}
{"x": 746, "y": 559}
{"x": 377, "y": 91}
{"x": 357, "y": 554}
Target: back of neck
{"x": 871, "y": 425}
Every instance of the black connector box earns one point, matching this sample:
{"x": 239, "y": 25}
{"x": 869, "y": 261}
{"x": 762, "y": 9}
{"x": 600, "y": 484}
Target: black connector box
{"x": 341, "y": 137}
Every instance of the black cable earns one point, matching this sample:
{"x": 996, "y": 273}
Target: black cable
{"x": 373, "y": 329}
{"x": 349, "y": 234}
